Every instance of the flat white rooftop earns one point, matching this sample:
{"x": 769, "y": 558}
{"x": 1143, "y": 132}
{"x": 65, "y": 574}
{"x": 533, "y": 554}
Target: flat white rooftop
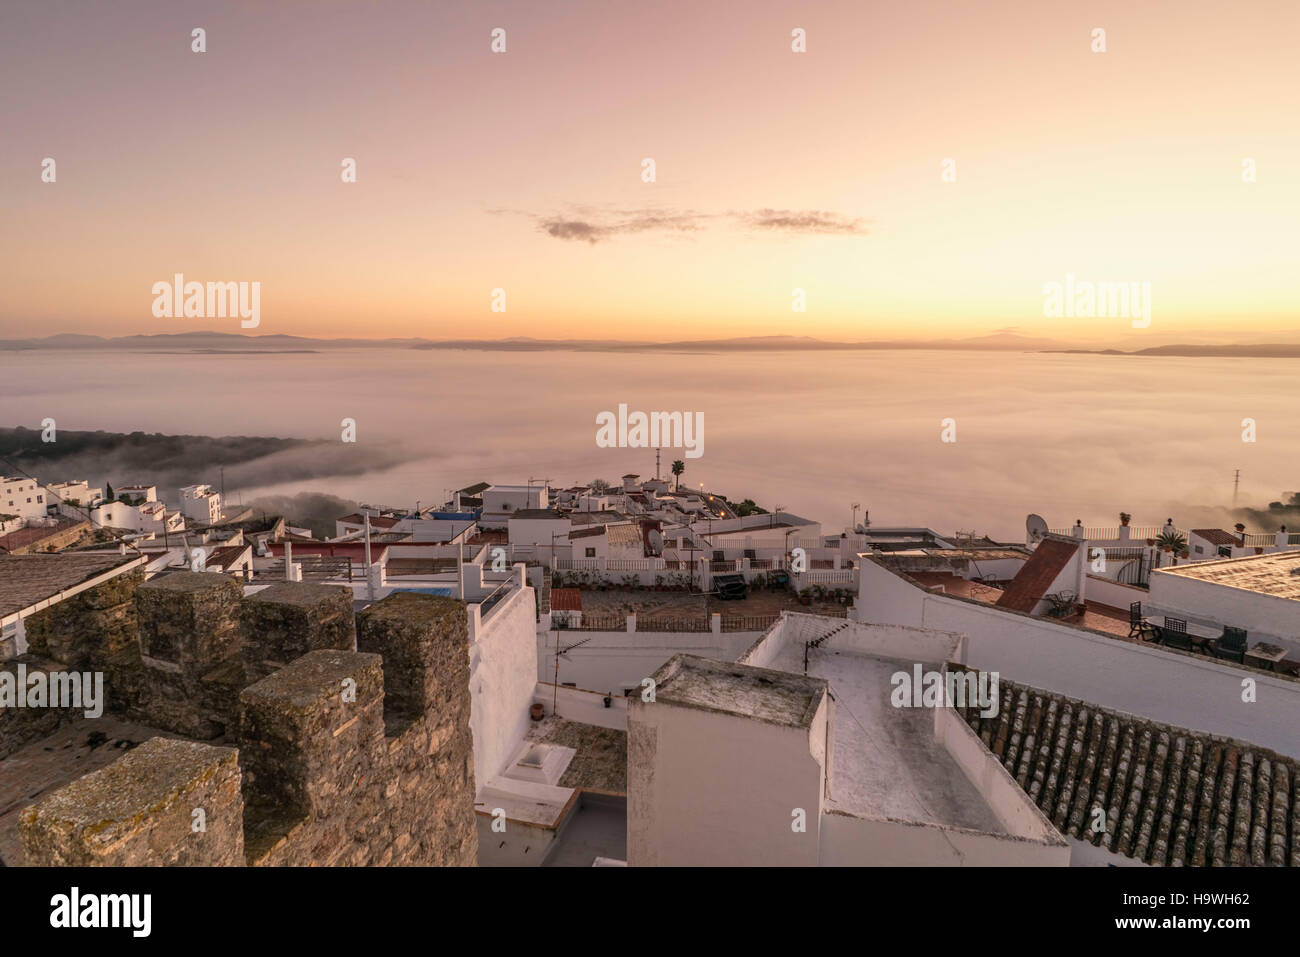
{"x": 885, "y": 761}
{"x": 1277, "y": 574}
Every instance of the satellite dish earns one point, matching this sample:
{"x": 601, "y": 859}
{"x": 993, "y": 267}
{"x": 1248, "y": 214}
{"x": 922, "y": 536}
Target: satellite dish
{"x": 655, "y": 539}
{"x": 1035, "y": 528}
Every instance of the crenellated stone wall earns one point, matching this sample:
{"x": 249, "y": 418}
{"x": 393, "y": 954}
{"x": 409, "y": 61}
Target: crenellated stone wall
{"x": 329, "y": 769}
{"x": 89, "y": 626}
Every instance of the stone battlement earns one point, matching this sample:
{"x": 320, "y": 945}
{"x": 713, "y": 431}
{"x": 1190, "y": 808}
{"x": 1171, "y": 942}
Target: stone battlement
{"x": 321, "y": 737}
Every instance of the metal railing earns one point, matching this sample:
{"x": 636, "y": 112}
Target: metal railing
{"x": 497, "y": 595}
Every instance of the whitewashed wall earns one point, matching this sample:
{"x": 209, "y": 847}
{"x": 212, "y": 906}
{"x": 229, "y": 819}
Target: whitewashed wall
{"x": 1180, "y": 689}
{"x": 503, "y": 675}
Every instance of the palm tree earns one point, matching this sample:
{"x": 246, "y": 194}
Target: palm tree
{"x": 1172, "y": 542}
{"x": 678, "y": 468}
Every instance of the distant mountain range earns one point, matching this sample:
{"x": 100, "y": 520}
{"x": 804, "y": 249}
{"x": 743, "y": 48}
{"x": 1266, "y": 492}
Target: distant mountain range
{"x": 218, "y": 343}
{"x": 1274, "y": 350}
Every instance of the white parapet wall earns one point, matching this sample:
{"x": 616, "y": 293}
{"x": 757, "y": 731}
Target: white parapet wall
{"x": 1181, "y": 689}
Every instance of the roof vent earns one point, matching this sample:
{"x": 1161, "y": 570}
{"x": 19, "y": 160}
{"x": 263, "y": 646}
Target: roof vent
{"x": 534, "y": 758}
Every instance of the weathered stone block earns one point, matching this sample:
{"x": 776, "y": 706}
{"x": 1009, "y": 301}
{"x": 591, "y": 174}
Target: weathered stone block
{"x": 87, "y": 628}
{"x": 312, "y": 731}
{"x": 424, "y": 641}
{"x": 189, "y": 620}
{"x": 141, "y": 809}
{"x": 289, "y": 619}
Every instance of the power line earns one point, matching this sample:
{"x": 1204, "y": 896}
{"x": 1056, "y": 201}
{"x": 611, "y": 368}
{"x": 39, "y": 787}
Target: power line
{"x": 62, "y": 501}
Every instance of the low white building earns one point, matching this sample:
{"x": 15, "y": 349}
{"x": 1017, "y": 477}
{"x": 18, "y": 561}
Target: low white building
{"x": 502, "y": 501}
{"x": 148, "y": 516}
{"x": 1260, "y": 594}
{"x": 201, "y": 504}
{"x": 73, "y": 498}
{"x": 138, "y": 493}
{"x": 619, "y": 541}
{"x": 757, "y": 763}
{"x": 544, "y": 529}
{"x": 23, "y": 497}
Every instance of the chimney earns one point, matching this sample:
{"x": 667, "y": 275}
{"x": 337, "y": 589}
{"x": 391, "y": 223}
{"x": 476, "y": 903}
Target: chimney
{"x": 1282, "y": 539}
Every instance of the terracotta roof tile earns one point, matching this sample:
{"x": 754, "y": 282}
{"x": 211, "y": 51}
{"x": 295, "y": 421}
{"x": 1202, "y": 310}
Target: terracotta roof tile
{"x": 26, "y": 580}
{"x": 1216, "y": 536}
{"x": 566, "y": 599}
{"x": 1168, "y": 796}
{"x": 1037, "y": 574}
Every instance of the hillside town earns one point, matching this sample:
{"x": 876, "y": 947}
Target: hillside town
{"x": 639, "y": 673}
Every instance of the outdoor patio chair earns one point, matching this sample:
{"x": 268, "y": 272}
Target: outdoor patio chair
{"x": 1139, "y": 627}
{"x": 1174, "y": 634}
{"x": 1221, "y": 650}
{"x": 1233, "y": 638}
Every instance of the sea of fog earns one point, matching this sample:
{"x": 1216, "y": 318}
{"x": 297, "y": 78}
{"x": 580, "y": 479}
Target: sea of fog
{"x": 1068, "y": 436}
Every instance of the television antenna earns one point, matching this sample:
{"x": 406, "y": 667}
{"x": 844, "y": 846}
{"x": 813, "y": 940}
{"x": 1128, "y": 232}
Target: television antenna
{"x": 555, "y": 702}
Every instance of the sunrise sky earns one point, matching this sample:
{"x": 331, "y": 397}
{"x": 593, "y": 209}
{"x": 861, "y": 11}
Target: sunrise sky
{"x": 775, "y": 170}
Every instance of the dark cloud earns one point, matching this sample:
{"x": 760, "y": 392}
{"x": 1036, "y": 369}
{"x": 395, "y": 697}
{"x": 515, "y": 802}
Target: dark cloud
{"x": 802, "y": 221}
{"x": 593, "y": 226}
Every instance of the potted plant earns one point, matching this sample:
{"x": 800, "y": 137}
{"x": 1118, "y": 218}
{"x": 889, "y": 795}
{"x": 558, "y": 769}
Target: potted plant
{"x": 805, "y": 596}
{"x": 537, "y": 712}
{"x": 1125, "y": 518}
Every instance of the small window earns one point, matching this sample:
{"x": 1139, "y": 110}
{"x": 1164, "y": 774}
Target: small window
{"x": 591, "y": 553}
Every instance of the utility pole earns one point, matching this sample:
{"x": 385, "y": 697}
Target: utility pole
{"x": 656, "y": 465}
{"x": 370, "y": 582}
{"x": 1236, "y": 482}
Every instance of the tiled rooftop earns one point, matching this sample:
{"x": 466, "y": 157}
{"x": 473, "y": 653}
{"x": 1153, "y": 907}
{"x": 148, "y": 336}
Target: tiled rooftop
{"x": 1171, "y": 796}
{"x": 1216, "y": 536}
{"x": 28, "y": 579}
{"x": 224, "y": 556}
{"x": 622, "y": 534}
{"x": 566, "y": 599}
{"x": 1037, "y": 574}
{"x": 1277, "y": 574}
